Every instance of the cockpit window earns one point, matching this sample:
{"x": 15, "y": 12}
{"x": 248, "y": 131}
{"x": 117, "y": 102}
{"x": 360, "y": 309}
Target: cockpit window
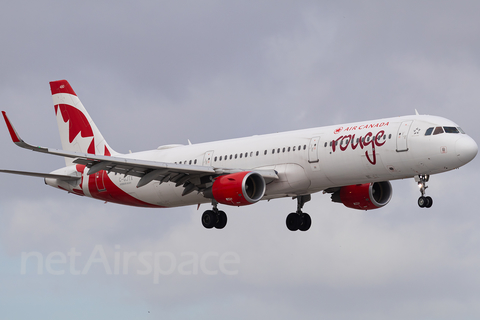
{"x": 451, "y": 130}
{"x": 429, "y": 131}
{"x": 438, "y": 130}
{"x": 461, "y": 131}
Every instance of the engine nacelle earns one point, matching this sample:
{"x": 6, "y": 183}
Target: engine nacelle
{"x": 364, "y": 196}
{"x": 239, "y": 189}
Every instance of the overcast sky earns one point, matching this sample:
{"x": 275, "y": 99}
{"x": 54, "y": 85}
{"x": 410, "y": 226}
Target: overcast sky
{"x": 157, "y": 72}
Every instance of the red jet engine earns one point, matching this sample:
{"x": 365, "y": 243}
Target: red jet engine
{"x": 366, "y": 196}
{"x": 239, "y": 189}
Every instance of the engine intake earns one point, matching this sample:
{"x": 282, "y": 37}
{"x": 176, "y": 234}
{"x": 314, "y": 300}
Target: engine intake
{"x": 239, "y": 189}
{"x": 366, "y": 196}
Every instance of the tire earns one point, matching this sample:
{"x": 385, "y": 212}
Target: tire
{"x": 293, "y": 221}
{"x": 221, "y": 220}
{"x": 429, "y": 202}
{"x": 422, "y": 202}
{"x": 306, "y": 222}
{"x": 209, "y": 219}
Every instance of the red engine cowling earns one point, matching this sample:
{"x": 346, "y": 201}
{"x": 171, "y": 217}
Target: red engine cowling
{"x": 364, "y": 196}
{"x": 239, "y": 189}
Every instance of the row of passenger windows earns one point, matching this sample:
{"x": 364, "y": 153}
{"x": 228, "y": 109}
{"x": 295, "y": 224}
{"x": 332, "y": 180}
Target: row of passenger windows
{"x": 257, "y": 153}
{"x": 439, "y": 130}
{"x": 280, "y": 150}
{"x": 187, "y": 162}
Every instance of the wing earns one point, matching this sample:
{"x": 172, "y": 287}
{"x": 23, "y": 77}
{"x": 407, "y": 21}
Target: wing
{"x": 43, "y": 175}
{"x": 191, "y": 177}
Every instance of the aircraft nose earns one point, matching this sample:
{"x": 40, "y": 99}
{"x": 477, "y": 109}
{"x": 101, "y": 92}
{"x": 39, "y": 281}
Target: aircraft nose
{"x": 466, "y": 149}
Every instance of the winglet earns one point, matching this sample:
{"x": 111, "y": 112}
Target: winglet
{"x": 416, "y": 112}
{"x": 16, "y": 137}
{"x": 13, "y": 133}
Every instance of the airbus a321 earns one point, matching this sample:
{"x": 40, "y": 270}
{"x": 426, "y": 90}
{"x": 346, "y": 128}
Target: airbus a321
{"x": 353, "y": 162}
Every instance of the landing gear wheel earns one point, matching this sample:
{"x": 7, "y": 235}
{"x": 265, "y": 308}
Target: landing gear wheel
{"x": 306, "y": 222}
{"x": 425, "y": 202}
{"x": 209, "y": 219}
{"x": 221, "y": 220}
{"x": 429, "y": 202}
{"x": 422, "y": 202}
{"x": 293, "y": 221}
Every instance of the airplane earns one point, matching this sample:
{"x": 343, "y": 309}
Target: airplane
{"x": 352, "y": 162}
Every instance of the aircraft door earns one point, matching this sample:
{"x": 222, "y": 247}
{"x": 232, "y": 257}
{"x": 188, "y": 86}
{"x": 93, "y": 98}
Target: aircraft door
{"x": 207, "y": 159}
{"x": 402, "y": 136}
{"x": 99, "y": 180}
{"x": 313, "y": 150}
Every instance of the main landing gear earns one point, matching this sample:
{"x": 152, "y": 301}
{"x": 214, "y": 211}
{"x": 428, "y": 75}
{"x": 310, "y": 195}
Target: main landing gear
{"x": 214, "y": 218}
{"x": 423, "y": 202}
{"x": 299, "y": 220}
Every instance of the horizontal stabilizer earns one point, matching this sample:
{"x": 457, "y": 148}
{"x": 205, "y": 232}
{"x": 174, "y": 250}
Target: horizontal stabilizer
{"x": 42, "y": 175}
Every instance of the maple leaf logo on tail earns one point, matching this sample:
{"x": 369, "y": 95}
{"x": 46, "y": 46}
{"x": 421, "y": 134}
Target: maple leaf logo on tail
{"x": 78, "y": 132}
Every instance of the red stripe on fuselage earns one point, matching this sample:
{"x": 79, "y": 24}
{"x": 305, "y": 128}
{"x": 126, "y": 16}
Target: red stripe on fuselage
{"x": 112, "y": 193}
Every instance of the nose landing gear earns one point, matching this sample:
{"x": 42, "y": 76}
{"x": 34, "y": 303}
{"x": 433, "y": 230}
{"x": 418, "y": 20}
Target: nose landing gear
{"x": 299, "y": 220}
{"x": 423, "y": 202}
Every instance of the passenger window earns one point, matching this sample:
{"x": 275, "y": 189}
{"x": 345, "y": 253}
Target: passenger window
{"x": 288, "y": 150}
{"x": 251, "y": 154}
{"x": 429, "y": 131}
{"x": 325, "y": 145}
{"x": 299, "y": 148}
{"x": 390, "y": 136}
{"x": 190, "y": 162}
{"x": 293, "y": 148}
{"x": 450, "y": 130}
{"x": 257, "y": 153}
{"x": 304, "y": 146}
{"x": 220, "y": 158}
{"x": 230, "y": 157}
{"x": 273, "y": 151}
{"x": 241, "y": 155}
{"x": 278, "y": 150}
{"x": 265, "y": 153}
{"x": 438, "y": 130}
{"x": 215, "y": 159}
{"x": 283, "y": 149}
{"x": 246, "y": 154}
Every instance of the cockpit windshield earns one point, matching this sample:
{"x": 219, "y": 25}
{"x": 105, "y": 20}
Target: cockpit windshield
{"x": 439, "y": 130}
{"x": 451, "y": 130}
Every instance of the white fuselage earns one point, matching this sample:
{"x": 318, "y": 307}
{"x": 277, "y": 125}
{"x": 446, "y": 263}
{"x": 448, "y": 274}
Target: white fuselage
{"x": 306, "y": 161}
